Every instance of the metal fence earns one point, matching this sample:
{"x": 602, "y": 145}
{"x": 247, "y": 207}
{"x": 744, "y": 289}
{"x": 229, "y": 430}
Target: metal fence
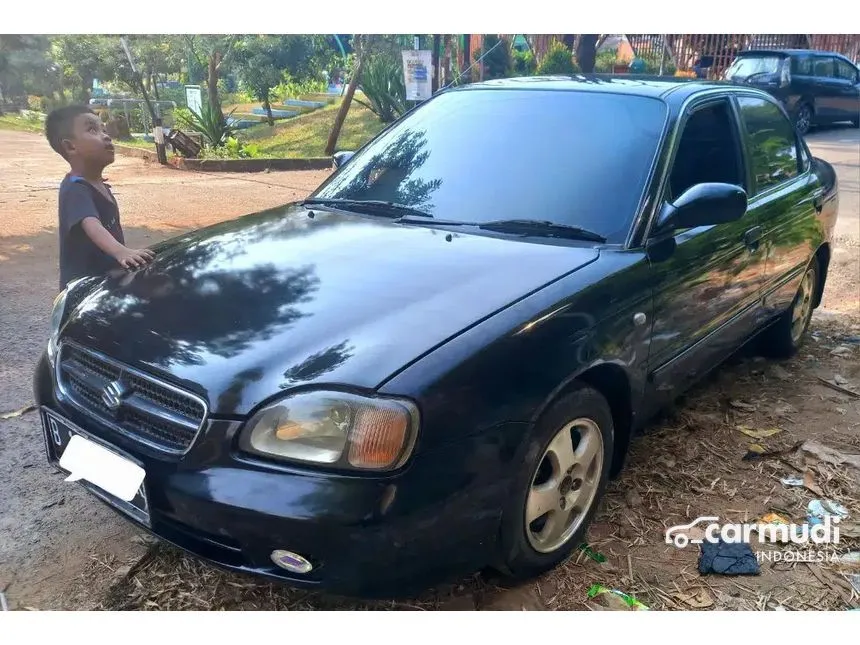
{"x": 715, "y": 52}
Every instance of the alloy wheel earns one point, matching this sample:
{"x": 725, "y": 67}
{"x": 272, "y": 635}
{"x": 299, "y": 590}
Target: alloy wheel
{"x": 564, "y": 485}
{"x": 804, "y": 119}
{"x": 802, "y": 309}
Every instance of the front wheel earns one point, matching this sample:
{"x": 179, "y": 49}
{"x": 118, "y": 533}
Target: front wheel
{"x": 785, "y": 336}
{"x": 803, "y": 119}
{"x": 556, "y": 492}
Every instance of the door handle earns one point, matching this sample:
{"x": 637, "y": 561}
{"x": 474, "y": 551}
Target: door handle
{"x": 752, "y": 238}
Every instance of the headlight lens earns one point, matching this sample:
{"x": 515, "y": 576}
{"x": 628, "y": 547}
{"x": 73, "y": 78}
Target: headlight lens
{"x": 58, "y": 313}
{"x": 56, "y": 320}
{"x": 335, "y": 428}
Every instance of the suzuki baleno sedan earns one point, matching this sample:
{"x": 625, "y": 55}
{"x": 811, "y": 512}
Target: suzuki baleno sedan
{"x": 434, "y": 364}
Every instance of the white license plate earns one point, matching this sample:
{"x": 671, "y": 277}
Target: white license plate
{"x": 85, "y": 459}
{"x": 116, "y": 479}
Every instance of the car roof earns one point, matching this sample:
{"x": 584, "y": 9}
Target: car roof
{"x": 670, "y": 89}
{"x": 789, "y": 52}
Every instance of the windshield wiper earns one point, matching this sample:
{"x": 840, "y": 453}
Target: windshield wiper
{"x": 542, "y": 228}
{"x": 372, "y": 206}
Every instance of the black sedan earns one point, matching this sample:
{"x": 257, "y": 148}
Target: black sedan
{"x": 434, "y": 364}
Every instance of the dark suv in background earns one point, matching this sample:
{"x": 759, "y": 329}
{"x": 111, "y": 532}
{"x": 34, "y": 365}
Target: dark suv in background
{"x": 816, "y": 87}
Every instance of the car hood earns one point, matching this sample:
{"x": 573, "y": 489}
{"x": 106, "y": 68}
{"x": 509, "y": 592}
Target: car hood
{"x": 242, "y": 310}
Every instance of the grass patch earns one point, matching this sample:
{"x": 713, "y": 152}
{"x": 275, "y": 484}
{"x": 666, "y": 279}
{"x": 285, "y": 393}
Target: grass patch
{"x": 21, "y": 123}
{"x": 306, "y": 135}
{"x": 135, "y": 143}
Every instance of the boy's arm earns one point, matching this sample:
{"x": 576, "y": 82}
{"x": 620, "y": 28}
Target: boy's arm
{"x": 77, "y": 207}
{"x": 102, "y": 238}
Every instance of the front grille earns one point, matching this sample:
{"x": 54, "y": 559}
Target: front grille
{"x": 149, "y": 410}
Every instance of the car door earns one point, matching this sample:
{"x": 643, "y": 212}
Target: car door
{"x": 825, "y": 89}
{"x": 707, "y": 279}
{"x": 848, "y": 78}
{"x": 784, "y": 196}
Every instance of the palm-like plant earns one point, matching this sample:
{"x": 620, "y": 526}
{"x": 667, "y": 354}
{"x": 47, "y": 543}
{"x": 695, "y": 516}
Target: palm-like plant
{"x": 211, "y": 123}
{"x": 383, "y": 85}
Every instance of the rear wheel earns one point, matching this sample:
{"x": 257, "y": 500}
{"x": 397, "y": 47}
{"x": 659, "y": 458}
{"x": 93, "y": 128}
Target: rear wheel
{"x": 803, "y": 118}
{"x": 785, "y": 337}
{"x": 557, "y": 490}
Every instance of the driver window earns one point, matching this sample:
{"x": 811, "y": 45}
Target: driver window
{"x": 708, "y": 150}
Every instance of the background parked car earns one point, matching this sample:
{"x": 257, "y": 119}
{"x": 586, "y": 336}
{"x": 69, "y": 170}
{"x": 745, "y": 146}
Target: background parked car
{"x": 816, "y": 87}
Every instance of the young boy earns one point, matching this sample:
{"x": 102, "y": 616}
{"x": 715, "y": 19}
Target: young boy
{"x": 91, "y": 237}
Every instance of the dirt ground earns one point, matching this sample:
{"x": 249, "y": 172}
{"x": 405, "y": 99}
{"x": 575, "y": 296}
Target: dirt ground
{"x": 60, "y": 549}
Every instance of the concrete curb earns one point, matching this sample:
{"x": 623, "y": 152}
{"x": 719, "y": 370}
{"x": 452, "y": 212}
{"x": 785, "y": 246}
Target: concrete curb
{"x": 229, "y": 165}
{"x": 251, "y": 165}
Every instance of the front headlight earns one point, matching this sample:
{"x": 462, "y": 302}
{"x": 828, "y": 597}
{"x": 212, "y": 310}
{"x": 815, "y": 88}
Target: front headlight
{"x": 57, "y": 313}
{"x": 335, "y": 428}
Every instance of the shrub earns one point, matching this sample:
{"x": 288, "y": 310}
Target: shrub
{"x": 232, "y": 149}
{"x": 557, "y": 60}
{"x": 605, "y": 61}
{"x": 383, "y": 85}
{"x": 524, "y": 63}
{"x": 210, "y": 123}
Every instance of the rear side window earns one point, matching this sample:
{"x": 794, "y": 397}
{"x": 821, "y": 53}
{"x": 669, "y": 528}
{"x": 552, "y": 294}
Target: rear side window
{"x": 824, "y": 67}
{"x": 845, "y": 70}
{"x": 801, "y": 66}
{"x": 773, "y": 143}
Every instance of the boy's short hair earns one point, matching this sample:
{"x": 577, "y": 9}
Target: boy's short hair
{"x": 58, "y": 125}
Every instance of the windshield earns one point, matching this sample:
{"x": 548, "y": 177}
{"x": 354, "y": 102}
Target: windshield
{"x": 746, "y": 66}
{"x": 479, "y": 155}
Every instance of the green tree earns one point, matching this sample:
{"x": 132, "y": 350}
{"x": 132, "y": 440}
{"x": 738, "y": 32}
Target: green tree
{"x": 262, "y": 62}
{"x": 214, "y": 54}
{"x": 82, "y": 58}
{"x": 24, "y": 66}
{"x": 497, "y": 61}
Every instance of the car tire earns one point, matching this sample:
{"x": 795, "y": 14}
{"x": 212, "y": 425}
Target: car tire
{"x": 803, "y": 118}
{"x": 785, "y": 336}
{"x": 530, "y": 547}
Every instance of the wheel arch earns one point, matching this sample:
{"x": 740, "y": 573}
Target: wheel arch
{"x": 613, "y": 382}
{"x": 822, "y": 256}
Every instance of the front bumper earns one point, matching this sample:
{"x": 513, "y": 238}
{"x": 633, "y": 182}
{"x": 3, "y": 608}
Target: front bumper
{"x": 364, "y": 535}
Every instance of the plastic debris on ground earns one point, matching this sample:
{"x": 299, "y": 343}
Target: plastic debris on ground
{"x": 818, "y": 509}
{"x": 591, "y": 553}
{"x": 728, "y": 558}
{"x": 792, "y": 481}
{"x": 758, "y": 433}
{"x": 614, "y": 599}
{"x": 854, "y": 579}
{"x": 851, "y": 559}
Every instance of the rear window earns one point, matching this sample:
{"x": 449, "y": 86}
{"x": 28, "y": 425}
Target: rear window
{"x": 747, "y": 66}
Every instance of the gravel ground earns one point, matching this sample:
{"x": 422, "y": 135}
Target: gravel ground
{"x": 61, "y": 550}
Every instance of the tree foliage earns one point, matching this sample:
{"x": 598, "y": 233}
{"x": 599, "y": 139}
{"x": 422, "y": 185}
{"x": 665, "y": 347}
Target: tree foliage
{"x": 263, "y": 61}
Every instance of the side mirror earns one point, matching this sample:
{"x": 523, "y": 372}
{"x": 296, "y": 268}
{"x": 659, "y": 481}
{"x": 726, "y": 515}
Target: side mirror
{"x": 341, "y": 157}
{"x": 704, "y": 205}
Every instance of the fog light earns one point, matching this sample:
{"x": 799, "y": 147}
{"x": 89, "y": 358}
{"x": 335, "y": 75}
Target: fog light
{"x": 291, "y": 561}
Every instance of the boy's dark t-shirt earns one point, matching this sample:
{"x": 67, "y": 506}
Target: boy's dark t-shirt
{"x": 79, "y": 255}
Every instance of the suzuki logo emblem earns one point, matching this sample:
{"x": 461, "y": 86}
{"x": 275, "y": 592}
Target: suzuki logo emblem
{"x": 113, "y": 394}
